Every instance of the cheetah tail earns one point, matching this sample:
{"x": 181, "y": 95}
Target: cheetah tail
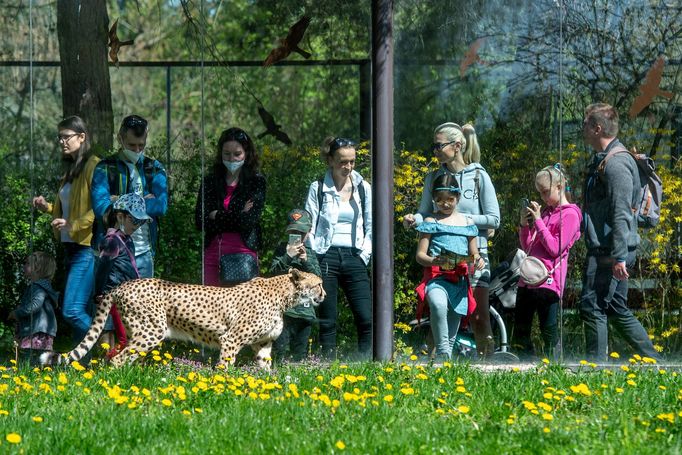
{"x": 91, "y": 337}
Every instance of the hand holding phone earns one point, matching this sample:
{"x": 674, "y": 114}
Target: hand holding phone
{"x": 294, "y": 239}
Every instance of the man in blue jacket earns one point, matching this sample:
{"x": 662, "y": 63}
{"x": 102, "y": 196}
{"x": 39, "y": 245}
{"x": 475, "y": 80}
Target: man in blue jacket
{"x": 130, "y": 171}
{"x": 610, "y": 225}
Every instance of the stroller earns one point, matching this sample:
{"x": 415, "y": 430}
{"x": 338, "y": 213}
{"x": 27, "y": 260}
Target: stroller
{"x": 502, "y": 292}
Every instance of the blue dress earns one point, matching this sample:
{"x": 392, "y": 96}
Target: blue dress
{"x": 454, "y": 239}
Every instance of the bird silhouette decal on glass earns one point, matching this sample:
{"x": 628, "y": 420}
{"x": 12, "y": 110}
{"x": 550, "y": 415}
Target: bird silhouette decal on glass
{"x": 271, "y": 127}
{"x": 290, "y": 43}
{"x": 115, "y": 44}
{"x": 650, "y": 88}
{"x": 471, "y": 56}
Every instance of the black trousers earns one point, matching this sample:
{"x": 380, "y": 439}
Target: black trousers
{"x": 343, "y": 268}
{"x": 545, "y": 303}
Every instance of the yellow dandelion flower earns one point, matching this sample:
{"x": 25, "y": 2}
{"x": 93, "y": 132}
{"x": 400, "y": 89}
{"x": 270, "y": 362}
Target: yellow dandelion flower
{"x": 545, "y": 361}
{"x": 632, "y": 383}
{"x": 464, "y": 409}
{"x": 166, "y": 402}
{"x": 547, "y": 416}
{"x": 413, "y": 357}
{"x": 546, "y": 430}
{"x": 388, "y": 398}
{"x": 77, "y": 366}
{"x": 105, "y": 346}
{"x": 37, "y": 419}
{"x": 13, "y": 438}
{"x": 615, "y": 355}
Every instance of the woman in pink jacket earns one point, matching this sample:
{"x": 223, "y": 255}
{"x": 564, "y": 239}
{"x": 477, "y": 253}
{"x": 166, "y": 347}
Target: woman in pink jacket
{"x": 546, "y": 234}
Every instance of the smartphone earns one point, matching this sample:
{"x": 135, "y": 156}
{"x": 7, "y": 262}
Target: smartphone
{"x": 294, "y": 239}
{"x": 525, "y": 203}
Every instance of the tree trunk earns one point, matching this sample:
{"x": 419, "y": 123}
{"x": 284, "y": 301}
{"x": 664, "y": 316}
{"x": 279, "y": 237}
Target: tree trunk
{"x": 82, "y": 28}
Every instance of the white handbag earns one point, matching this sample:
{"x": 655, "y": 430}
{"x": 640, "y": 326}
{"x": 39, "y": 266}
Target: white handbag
{"x": 533, "y": 271}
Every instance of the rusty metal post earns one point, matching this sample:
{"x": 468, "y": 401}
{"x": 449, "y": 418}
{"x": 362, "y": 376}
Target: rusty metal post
{"x": 382, "y": 177}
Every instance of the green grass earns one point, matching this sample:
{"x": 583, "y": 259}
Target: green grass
{"x": 358, "y": 408}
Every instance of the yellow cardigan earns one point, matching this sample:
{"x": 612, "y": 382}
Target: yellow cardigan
{"x": 81, "y": 216}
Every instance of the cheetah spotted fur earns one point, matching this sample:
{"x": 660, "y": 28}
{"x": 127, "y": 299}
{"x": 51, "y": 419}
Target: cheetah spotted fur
{"x": 229, "y": 318}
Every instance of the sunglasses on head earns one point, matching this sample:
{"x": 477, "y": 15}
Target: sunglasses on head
{"x": 438, "y": 146}
{"x": 339, "y": 143}
{"x": 134, "y": 121}
{"x": 239, "y": 136}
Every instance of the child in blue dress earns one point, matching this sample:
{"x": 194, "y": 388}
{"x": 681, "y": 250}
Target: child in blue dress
{"x": 447, "y": 241}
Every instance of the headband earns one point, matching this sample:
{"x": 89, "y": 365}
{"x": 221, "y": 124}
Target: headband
{"x": 452, "y": 189}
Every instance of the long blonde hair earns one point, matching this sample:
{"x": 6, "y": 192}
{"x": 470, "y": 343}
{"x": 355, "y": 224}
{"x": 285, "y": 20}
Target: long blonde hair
{"x": 465, "y": 135}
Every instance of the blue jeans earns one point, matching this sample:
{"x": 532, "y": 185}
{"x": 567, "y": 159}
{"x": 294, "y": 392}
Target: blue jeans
{"x": 342, "y": 267}
{"x": 80, "y": 284}
{"x": 145, "y": 264}
{"x": 604, "y": 299}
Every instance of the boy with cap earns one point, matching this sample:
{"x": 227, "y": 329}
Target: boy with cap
{"x": 294, "y": 253}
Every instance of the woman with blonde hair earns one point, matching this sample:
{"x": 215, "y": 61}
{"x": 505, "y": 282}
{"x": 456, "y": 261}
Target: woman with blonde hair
{"x": 457, "y": 150}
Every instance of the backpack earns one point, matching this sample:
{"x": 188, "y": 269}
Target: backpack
{"x": 647, "y": 206}
{"x": 320, "y": 199}
{"x": 112, "y": 174}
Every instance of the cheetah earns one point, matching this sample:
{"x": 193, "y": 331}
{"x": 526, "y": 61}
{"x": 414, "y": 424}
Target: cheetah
{"x": 152, "y": 310}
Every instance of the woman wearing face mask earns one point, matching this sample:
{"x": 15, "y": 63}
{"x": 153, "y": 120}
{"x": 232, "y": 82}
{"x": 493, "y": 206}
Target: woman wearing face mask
{"x": 230, "y": 203}
{"x": 72, "y": 220}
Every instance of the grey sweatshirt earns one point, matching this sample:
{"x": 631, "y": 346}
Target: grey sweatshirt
{"x": 609, "y": 221}
{"x": 483, "y": 208}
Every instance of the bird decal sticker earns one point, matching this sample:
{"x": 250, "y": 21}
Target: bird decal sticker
{"x": 271, "y": 127}
{"x": 471, "y": 56}
{"x": 115, "y": 44}
{"x": 290, "y": 43}
{"x": 650, "y": 88}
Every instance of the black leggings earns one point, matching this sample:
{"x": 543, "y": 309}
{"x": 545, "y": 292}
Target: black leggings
{"x": 546, "y": 304}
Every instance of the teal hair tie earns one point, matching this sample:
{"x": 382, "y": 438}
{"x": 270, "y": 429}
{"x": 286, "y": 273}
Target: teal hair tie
{"x": 452, "y": 189}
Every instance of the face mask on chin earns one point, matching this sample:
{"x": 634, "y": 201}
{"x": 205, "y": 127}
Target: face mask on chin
{"x": 233, "y": 166}
{"x": 132, "y": 156}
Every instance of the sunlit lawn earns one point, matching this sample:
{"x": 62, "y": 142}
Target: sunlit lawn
{"x": 355, "y": 408}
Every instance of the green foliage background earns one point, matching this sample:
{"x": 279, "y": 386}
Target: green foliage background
{"x": 540, "y": 63}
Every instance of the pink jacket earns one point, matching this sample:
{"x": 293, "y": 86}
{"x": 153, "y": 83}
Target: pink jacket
{"x": 563, "y": 221}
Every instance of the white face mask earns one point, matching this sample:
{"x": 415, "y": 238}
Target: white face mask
{"x": 233, "y": 166}
{"x": 132, "y": 156}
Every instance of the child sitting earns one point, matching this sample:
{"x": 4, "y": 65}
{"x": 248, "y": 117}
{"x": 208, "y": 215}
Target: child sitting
{"x": 295, "y": 253}
{"x": 116, "y": 262}
{"x": 36, "y": 321}
{"x": 447, "y": 240}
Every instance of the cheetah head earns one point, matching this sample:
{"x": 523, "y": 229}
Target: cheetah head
{"x": 308, "y": 287}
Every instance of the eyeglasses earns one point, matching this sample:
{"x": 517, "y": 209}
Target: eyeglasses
{"x": 66, "y": 138}
{"x": 134, "y": 121}
{"x": 136, "y": 222}
{"x": 438, "y": 147}
{"x": 340, "y": 142}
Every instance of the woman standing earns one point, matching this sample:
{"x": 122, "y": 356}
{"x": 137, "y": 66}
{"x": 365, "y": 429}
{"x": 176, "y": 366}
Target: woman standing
{"x": 72, "y": 221}
{"x": 457, "y": 150}
{"x": 341, "y": 209}
{"x": 229, "y": 205}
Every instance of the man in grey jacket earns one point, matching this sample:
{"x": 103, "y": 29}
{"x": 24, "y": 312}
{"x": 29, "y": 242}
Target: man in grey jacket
{"x": 612, "y": 239}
